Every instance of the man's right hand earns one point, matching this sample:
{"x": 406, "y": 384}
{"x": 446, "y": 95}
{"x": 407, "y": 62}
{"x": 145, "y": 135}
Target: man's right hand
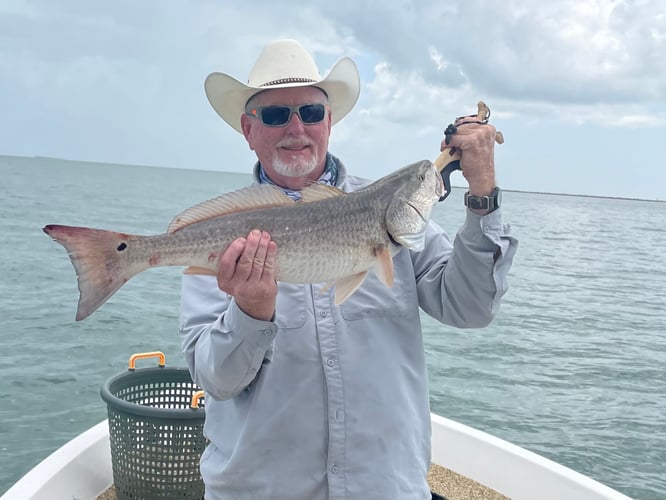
{"x": 247, "y": 272}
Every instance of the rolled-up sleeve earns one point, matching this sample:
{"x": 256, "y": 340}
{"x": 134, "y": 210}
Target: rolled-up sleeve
{"x": 462, "y": 284}
{"x": 224, "y": 347}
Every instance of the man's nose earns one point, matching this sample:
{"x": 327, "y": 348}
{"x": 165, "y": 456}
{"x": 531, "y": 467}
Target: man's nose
{"x": 295, "y": 124}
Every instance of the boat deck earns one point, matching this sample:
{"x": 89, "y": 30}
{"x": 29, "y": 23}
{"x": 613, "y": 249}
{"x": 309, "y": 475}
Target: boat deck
{"x": 453, "y": 486}
{"x": 441, "y": 480}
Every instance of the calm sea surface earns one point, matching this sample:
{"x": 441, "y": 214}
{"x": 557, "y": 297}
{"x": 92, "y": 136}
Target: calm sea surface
{"x": 573, "y": 368}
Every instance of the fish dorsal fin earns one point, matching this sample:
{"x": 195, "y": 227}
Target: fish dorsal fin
{"x": 316, "y": 192}
{"x": 249, "y": 198}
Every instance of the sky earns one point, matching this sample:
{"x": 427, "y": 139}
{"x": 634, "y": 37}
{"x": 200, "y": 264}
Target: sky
{"x": 577, "y": 87}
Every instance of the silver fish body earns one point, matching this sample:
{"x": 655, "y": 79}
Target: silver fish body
{"x": 330, "y": 237}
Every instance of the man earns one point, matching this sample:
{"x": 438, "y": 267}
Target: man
{"x": 305, "y": 399}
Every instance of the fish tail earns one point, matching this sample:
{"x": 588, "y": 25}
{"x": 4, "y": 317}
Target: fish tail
{"x": 101, "y": 260}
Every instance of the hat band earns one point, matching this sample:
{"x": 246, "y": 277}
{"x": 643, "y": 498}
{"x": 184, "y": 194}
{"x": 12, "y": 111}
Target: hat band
{"x": 287, "y": 80}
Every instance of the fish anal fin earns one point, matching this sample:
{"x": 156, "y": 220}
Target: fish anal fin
{"x": 199, "y": 270}
{"x": 384, "y": 265}
{"x": 344, "y": 287}
{"x": 249, "y": 198}
{"x": 316, "y": 192}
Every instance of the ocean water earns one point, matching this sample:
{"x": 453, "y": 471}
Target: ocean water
{"x": 573, "y": 367}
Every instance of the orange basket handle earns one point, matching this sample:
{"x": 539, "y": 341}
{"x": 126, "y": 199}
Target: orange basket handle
{"x": 196, "y": 397}
{"x": 144, "y": 355}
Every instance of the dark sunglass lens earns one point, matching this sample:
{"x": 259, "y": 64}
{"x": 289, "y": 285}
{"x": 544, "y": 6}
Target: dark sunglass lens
{"x": 312, "y": 113}
{"x": 275, "y": 115}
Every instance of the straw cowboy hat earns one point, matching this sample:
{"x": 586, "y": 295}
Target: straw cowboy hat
{"x": 284, "y": 63}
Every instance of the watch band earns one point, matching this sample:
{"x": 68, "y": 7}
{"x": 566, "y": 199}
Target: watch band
{"x": 490, "y": 202}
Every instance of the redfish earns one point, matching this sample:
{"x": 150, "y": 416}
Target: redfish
{"x": 327, "y": 237}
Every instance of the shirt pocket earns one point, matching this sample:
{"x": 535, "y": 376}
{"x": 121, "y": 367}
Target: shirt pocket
{"x": 290, "y": 306}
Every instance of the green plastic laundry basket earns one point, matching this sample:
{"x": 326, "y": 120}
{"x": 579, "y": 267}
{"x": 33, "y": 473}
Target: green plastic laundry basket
{"x": 156, "y": 419}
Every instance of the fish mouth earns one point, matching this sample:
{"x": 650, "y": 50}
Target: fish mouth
{"x": 440, "y": 190}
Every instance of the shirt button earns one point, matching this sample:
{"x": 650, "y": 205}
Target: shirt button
{"x": 330, "y": 362}
{"x": 267, "y": 332}
{"x": 335, "y": 469}
{"x": 322, "y": 313}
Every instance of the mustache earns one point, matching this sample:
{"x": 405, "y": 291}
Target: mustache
{"x": 293, "y": 144}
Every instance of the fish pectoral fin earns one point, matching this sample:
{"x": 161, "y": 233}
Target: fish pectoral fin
{"x": 316, "y": 192}
{"x": 199, "y": 270}
{"x": 384, "y": 265}
{"x": 249, "y": 198}
{"x": 344, "y": 287}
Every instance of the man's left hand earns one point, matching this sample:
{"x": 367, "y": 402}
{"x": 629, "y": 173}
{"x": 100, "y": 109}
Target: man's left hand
{"x": 476, "y": 142}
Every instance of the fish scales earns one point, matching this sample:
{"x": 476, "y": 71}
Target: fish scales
{"x": 316, "y": 241}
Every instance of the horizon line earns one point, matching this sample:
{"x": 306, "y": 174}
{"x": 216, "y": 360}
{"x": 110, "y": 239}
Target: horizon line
{"x": 508, "y": 190}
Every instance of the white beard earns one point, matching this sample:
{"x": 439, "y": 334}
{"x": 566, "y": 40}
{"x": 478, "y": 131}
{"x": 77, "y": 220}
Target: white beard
{"x": 299, "y": 168}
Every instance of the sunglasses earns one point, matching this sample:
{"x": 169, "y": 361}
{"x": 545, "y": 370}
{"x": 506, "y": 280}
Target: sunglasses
{"x": 279, "y": 116}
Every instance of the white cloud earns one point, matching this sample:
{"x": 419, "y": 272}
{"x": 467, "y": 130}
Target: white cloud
{"x": 569, "y": 52}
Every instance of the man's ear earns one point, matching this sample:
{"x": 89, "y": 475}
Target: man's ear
{"x": 246, "y": 125}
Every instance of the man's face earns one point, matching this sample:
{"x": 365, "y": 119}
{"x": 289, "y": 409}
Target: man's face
{"x": 295, "y": 154}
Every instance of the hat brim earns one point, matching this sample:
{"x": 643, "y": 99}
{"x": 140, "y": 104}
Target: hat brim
{"x": 228, "y": 96}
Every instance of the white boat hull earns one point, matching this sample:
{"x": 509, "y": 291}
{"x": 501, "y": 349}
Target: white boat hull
{"x": 81, "y": 469}
{"x": 509, "y": 469}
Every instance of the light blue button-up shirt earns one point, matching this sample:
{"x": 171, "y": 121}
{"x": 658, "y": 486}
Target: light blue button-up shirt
{"x": 332, "y": 402}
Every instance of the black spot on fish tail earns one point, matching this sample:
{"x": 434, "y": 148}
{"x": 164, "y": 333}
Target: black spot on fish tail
{"x": 122, "y": 246}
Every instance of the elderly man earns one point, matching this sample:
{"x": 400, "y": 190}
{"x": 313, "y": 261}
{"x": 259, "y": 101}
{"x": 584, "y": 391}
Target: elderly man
{"x": 306, "y": 399}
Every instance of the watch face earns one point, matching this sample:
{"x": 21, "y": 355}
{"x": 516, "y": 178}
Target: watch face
{"x": 490, "y": 202}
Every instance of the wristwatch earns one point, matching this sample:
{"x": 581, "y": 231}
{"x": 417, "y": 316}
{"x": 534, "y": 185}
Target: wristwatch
{"x": 490, "y": 202}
